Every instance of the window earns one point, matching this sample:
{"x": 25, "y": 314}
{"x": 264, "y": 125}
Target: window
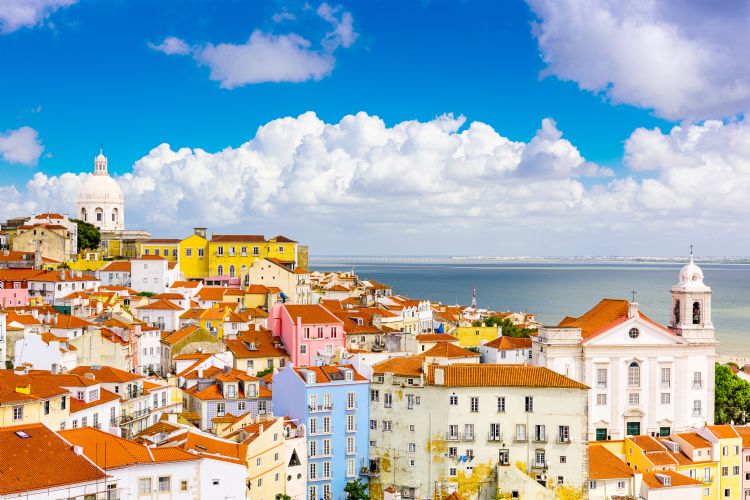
{"x": 313, "y": 425}
{"x": 18, "y": 413}
{"x": 452, "y": 471}
{"x": 520, "y": 432}
{"x": 312, "y": 448}
{"x": 164, "y": 483}
{"x": 727, "y": 491}
{"x": 495, "y": 433}
{"x": 144, "y": 486}
{"x": 453, "y": 432}
{"x": 666, "y": 377}
{"x": 387, "y": 426}
{"x": 326, "y": 469}
{"x": 665, "y": 398}
{"x": 256, "y": 251}
{"x": 601, "y": 378}
{"x": 697, "y": 380}
{"x": 633, "y": 333}
{"x": 410, "y": 401}
{"x": 351, "y": 424}
{"x": 351, "y": 401}
{"x": 725, "y": 471}
{"x": 592, "y": 485}
{"x": 188, "y": 252}
{"x": 697, "y": 410}
{"x": 350, "y": 467}
{"x": 696, "y": 313}
{"x": 453, "y": 400}
{"x": 351, "y": 447}
{"x": 220, "y": 250}
{"x": 634, "y": 398}
{"x": 539, "y": 458}
{"x": 63, "y": 402}
{"x": 183, "y": 485}
{"x": 306, "y": 332}
{"x": 501, "y": 404}
{"x": 560, "y": 480}
{"x": 665, "y": 431}
{"x": 529, "y": 403}
{"x": 220, "y": 409}
{"x": 200, "y": 252}
{"x": 303, "y": 349}
{"x": 326, "y": 447}
{"x": 634, "y": 375}
{"x": 312, "y": 492}
{"x": 326, "y": 424}
{"x": 736, "y": 470}
{"x": 563, "y": 434}
{"x": 313, "y": 471}
{"x": 46, "y": 407}
{"x": 474, "y": 404}
{"x": 374, "y": 395}
{"x": 601, "y": 399}
{"x": 563, "y": 459}
{"x": 387, "y": 399}
{"x": 220, "y": 270}
{"x": 540, "y": 433}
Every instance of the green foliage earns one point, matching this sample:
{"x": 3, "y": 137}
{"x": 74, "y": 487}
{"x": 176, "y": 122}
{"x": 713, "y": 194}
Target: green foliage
{"x": 356, "y": 490}
{"x": 264, "y": 372}
{"x": 509, "y": 329}
{"x": 89, "y": 235}
{"x": 732, "y": 396}
{"x": 282, "y": 496}
{"x": 145, "y": 294}
{"x": 64, "y": 265}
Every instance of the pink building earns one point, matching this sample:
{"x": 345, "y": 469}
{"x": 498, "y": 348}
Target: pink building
{"x": 14, "y": 287}
{"x": 310, "y": 333}
{"x": 744, "y": 432}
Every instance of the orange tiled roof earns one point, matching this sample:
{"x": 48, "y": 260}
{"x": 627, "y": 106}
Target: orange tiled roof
{"x": 448, "y": 350}
{"x": 744, "y": 433}
{"x": 161, "y": 304}
{"x": 310, "y": 314}
{"x": 676, "y": 479}
{"x": 40, "y": 389}
{"x": 647, "y": 443}
{"x": 107, "y": 374}
{"x": 476, "y": 375}
{"x": 266, "y": 345}
{"x": 65, "y": 321}
{"x": 505, "y": 343}
{"x": 41, "y": 461}
{"x": 606, "y": 312}
{"x": 409, "y": 366}
{"x": 213, "y": 293}
{"x": 117, "y": 266}
{"x": 323, "y": 373}
{"x": 105, "y": 396}
{"x": 151, "y": 257}
{"x": 725, "y": 431}
{"x": 603, "y": 464}
{"x": 436, "y": 337}
{"x": 185, "y": 284}
{"x": 111, "y": 452}
{"x": 180, "y": 334}
{"x": 238, "y": 238}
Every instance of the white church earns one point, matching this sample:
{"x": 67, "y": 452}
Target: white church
{"x": 100, "y": 200}
{"x": 645, "y": 378}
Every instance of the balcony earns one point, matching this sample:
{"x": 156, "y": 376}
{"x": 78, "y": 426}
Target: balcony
{"x": 540, "y": 438}
{"x": 450, "y": 436}
{"x": 495, "y": 437}
{"x": 468, "y": 436}
{"x": 563, "y": 439}
{"x": 697, "y": 384}
{"x": 319, "y": 408}
{"x": 540, "y": 465}
{"x": 520, "y": 438}
{"x": 368, "y": 472}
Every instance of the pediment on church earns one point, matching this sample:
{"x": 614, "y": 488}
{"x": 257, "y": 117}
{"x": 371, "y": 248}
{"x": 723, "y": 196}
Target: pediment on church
{"x": 634, "y": 412}
{"x": 636, "y": 331}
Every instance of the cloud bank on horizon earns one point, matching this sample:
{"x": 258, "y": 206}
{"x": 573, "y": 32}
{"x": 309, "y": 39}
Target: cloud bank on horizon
{"x": 442, "y": 176}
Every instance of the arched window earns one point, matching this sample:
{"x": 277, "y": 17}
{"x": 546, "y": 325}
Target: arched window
{"x": 231, "y": 271}
{"x": 83, "y": 214}
{"x": 696, "y": 313}
{"x": 115, "y": 215}
{"x": 99, "y": 214}
{"x": 634, "y": 375}
{"x": 220, "y": 270}
{"x": 677, "y": 312}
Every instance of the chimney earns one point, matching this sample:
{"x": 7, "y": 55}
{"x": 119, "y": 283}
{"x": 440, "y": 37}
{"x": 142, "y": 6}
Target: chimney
{"x": 62, "y": 274}
{"x": 172, "y": 418}
{"x": 200, "y": 372}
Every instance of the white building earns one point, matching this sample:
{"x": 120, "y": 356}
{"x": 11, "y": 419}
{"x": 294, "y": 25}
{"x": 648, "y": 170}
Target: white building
{"x": 153, "y": 273}
{"x": 436, "y": 426}
{"x": 116, "y": 273}
{"x": 645, "y": 378}
{"x": 44, "y": 351}
{"x": 161, "y": 313}
{"x": 507, "y": 351}
{"x": 3, "y": 338}
{"x": 158, "y": 473}
{"x": 100, "y": 200}
{"x": 54, "y": 286}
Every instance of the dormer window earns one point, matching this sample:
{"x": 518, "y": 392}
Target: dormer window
{"x": 348, "y": 375}
{"x": 310, "y": 377}
{"x": 231, "y": 391}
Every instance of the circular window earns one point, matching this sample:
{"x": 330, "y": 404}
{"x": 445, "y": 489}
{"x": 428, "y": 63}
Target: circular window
{"x": 289, "y": 477}
{"x": 633, "y": 333}
{"x": 299, "y": 476}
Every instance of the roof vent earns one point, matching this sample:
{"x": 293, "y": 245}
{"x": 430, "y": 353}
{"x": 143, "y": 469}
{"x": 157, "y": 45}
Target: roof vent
{"x": 89, "y": 375}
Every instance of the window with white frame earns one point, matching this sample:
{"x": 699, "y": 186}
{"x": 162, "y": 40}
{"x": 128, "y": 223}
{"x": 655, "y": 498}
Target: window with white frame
{"x": 501, "y": 404}
{"x": 601, "y": 399}
{"x": 634, "y": 374}
{"x": 634, "y": 398}
{"x": 666, "y": 398}
{"x": 666, "y": 377}
{"x": 601, "y": 378}
{"x": 474, "y": 404}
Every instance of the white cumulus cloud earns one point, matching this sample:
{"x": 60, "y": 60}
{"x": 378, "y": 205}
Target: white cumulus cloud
{"x": 17, "y": 14}
{"x": 684, "y": 60}
{"x": 21, "y": 146}
{"x": 269, "y": 57}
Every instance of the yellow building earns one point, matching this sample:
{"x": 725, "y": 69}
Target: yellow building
{"x": 193, "y": 255}
{"x": 231, "y": 254}
{"x": 730, "y": 458}
{"x": 266, "y": 461}
{"x": 167, "y": 248}
{"x": 54, "y": 241}
{"x": 26, "y": 401}
{"x": 472, "y": 336}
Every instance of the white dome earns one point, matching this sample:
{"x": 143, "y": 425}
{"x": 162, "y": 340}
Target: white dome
{"x": 691, "y": 277}
{"x": 100, "y": 188}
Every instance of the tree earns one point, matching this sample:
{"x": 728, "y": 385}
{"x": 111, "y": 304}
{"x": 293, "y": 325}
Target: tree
{"x": 145, "y": 294}
{"x": 264, "y": 372}
{"x": 732, "y": 396}
{"x": 89, "y": 235}
{"x": 356, "y": 490}
{"x": 509, "y": 329}
{"x": 282, "y": 496}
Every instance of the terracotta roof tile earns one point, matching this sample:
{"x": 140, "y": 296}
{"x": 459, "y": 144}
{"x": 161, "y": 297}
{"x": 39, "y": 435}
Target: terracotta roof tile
{"x": 506, "y": 343}
{"x": 448, "y": 350}
{"x": 436, "y": 337}
{"x": 603, "y": 464}
{"x": 41, "y": 461}
{"x": 409, "y": 366}
{"x": 676, "y": 479}
{"x": 725, "y": 431}
{"x": 117, "y": 266}
{"x": 107, "y": 374}
{"x": 475, "y": 375}
{"x": 311, "y": 314}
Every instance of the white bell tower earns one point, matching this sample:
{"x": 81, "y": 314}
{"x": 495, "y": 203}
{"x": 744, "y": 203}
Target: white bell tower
{"x": 691, "y": 305}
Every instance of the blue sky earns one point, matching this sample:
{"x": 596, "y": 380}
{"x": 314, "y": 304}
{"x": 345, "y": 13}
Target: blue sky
{"x": 86, "y": 72}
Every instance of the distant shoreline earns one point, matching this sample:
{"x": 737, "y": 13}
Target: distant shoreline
{"x": 481, "y": 259}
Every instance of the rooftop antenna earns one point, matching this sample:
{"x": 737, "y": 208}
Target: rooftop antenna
{"x": 691, "y": 253}
{"x": 474, "y": 298}
{"x": 634, "y": 294}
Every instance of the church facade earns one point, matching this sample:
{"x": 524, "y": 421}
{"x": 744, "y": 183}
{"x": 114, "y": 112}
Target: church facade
{"x": 645, "y": 378}
{"x": 100, "y": 200}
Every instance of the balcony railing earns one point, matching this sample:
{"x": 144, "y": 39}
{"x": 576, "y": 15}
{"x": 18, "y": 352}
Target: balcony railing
{"x": 449, "y": 436}
{"x": 697, "y": 384}
{"x": 540, "y": 438}
{"x": 368, "y": 472}
{"x": 520, "y": 438}
{"x": 563, "y": 439}
{"x": 495, "y": 437}
{"x": 319, "y": 408}
{"x": 468, "y": 436}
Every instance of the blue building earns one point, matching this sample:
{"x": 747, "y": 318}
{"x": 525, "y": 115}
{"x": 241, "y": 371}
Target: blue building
{"x": 332, "y": 402}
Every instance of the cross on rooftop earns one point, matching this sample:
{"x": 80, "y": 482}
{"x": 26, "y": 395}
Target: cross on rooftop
{"x": 634, "y": 293}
